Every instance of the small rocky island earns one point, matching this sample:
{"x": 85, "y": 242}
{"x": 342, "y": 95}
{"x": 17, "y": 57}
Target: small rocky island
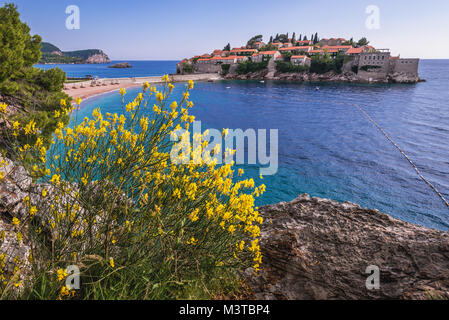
{"x": 123, "y": 65}
{"x": 302, "y": 59}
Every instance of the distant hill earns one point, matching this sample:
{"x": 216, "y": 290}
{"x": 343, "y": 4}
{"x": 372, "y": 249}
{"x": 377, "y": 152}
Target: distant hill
{"x": 52, "y": 54}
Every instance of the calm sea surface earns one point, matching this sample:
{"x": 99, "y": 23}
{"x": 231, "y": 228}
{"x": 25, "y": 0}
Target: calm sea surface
{"x": 329, "y": 149}
{"x": 139, "y": 69}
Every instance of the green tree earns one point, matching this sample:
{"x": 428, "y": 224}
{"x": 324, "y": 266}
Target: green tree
{"x": 362, "y": 42}
{"x": 294, "y": 38}
{"x": 271, "y": 40}
{"x": 227, "y": 47}
{"x": 18, "y": 48}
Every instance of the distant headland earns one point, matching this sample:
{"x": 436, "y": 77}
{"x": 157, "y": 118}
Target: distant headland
{"x": 302, "y": 59}
{"x": 52, "y": 54}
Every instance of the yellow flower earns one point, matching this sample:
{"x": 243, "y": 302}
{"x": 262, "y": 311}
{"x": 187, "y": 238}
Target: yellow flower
{"x": 192, "y": 241}
{"x": 122, "y": 92}
{"x": 225, "y": 132}
{"x": 15, "y": 221}
{"x": 194, "y": 215}
{"x": 55, "y": 179}
{"x": 57, "y": 114}
{"x": 3, "y": 107}
{"x": 78, "y": 101}
{"x": 111, "y": 262}
{"x": 63, "y": 102}
{"x": 33, "y": 211}
{"x": 190, "y": 84}
{"x": 62, "y": 274}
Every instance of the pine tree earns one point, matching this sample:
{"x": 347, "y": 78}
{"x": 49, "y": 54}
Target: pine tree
{"x": 227, "y": 47}
{"x": 18, "y": 48}
{"x": 300, "y": 37}
{"x": 305, "y": 38}
{"x": 294, "y": 38}
{"x": 316, "y": 39}
{"x": 271, "y": 39}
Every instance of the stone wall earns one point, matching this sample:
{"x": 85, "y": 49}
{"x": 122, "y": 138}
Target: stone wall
{"x": 408, "y": 66}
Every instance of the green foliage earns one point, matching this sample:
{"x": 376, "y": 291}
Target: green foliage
{"x": 18, "y": 48}
{"x": 54, "y": 58}
{"x": 225, "y": 69}
{"x": 250, "y": 66}
{"x": 255, "y": 39}
{"x": 227, "y": 47}
{"x": 35, "y": 93}
{"x": 285, "y": 67}
{"x": 324, "y": 63}
{"x": 187, "y": 68}
{"x": 362, "y": 42}
{"x": 47, "y": 47}
{"x": 369, "y": 67}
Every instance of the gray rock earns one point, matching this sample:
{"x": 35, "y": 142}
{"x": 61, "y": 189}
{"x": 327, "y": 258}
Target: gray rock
{"x": 319, "y": 249}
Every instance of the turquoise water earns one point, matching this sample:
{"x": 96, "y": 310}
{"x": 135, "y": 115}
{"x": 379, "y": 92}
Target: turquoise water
{"x": 139, "y": 69}
{"x": 328, "y": 149}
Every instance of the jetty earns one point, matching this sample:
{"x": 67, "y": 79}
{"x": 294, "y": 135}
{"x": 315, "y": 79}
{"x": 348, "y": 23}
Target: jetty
{"x": 93, "y": 87}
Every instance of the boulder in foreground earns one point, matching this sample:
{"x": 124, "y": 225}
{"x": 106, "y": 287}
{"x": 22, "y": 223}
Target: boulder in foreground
{"x": 319, "y": 249}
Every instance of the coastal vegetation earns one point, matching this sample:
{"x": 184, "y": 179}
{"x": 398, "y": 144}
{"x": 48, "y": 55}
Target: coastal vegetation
{"x": 250, "y": 66}
{"x": 140, "y": 215}
{"x": 52, "y": 54}
{"x": 29, "y": 96}
{"x": 138, "y": 224}
{"x": 282, "y": 66}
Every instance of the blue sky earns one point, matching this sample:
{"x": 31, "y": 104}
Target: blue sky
{"x": 172, "y": 29}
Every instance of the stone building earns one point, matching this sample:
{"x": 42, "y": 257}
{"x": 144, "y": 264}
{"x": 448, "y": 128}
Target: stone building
{"x": 301, "y": 60}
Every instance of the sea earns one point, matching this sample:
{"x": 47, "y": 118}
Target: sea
{"x": 326, "y": 145}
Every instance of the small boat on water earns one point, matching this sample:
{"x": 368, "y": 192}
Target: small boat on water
{"x": 317, "y": 88}
{"x": 262, "y": 81}
{"x": 228, "y": 87}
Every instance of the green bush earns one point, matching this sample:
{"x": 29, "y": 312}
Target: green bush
{"x": 284, "y": 67}
{"x": 187, "y": 68}
{"x": 250, "y": 66}
{"x": 324, "y": 63}
{"x": 139, "y": 219}
{"x": 225, "y": 69}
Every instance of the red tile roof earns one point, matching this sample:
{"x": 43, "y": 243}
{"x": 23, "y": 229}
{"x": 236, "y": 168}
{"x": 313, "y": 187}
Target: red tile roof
{"x": 355, "y": 50}
{"x": 243, "y": 50}
{"x": 300, "y": 57}
{"x": 295, "y": 48}
{"x": 268, "y": 52}
{"x": 337, "y": 47}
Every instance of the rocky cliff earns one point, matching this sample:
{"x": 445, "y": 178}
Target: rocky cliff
{"x": 52, "y": 54}
{"x": 320, "y": 249}
{"x": 326, "y": 77}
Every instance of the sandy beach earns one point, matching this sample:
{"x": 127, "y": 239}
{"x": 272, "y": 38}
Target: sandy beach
{"x": 87, "y": 89}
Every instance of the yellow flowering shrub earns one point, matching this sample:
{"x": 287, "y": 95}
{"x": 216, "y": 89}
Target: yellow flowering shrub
{"x": 138, "y": 225}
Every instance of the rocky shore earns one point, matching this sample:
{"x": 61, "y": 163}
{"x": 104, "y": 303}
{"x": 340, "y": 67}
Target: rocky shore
{"x": 320, "y": 249}
{"x": 313, "y": 248}
{"x": 326, "y": 77}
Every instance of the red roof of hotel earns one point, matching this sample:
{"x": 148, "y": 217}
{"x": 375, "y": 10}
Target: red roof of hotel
{"x": 305, "y": 41}
{"x": 355, "y": 50}
{"x": 268, "y": 52}
{"x": 300, "y": 57}
{"x": 295, "y": 48}
{"x": 337, "y": 47}
{"x": 243, "y": 50}
{"x": 316, "y": 51}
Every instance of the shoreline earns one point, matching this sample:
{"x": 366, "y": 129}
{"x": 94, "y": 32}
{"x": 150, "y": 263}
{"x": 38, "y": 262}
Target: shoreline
{"x": 91, "y": 88}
